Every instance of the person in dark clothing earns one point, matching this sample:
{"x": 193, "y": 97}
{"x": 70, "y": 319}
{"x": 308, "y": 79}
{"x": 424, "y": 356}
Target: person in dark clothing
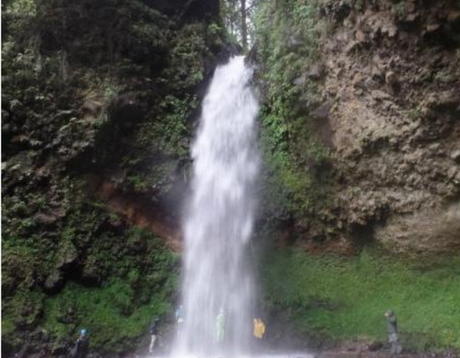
{"x": 81, "y": 345}
{"x": 392, "y": 330}
{"x": 153, "y": 333}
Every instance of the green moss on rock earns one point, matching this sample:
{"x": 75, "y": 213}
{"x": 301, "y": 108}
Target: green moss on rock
{"x": 287, "y": 46}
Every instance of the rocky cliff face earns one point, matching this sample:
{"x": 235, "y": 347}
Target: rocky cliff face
{"x": 98, "y": 104}
{"x": 360, "y": 130}
{"x": 380, "y": 94}
{"x": 392, "y": 78}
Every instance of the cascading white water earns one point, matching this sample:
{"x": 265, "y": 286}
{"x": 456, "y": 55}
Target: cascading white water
{"x": 219, "y": 219}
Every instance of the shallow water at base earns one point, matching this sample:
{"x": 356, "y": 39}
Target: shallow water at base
{"x": 266, "y": 355}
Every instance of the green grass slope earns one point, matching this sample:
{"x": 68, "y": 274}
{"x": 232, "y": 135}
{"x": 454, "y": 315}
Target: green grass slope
{"x": 344, "y": 298}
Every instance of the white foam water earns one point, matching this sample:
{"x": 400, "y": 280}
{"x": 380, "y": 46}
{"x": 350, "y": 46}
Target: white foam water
{"x": 217, "y": 274}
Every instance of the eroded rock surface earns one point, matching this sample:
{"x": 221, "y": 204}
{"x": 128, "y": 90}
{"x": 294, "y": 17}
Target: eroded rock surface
{"x": 392, "y": 73}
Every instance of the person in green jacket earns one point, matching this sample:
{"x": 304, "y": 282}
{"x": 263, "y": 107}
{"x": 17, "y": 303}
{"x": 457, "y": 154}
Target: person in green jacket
{"x": 392, "y": 330}
{"x": 220, "y": 326}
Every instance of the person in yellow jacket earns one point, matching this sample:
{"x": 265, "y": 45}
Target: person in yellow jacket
{"x": 259, "y": 328}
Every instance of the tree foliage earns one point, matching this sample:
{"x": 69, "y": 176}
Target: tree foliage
{"x": 238, "y": 16}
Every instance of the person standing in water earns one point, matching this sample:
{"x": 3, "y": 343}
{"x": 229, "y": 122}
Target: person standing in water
{"x": 392, "y": 330}
{"x": 259, "y": 328}
{"x": 81, "y": 345}
{"x": 220, "y": 326}
{"x": 180, "y": 319}
{"x": 153, "y": 333}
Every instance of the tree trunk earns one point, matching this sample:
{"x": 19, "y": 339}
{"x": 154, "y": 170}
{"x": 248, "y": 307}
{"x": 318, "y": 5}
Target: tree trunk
{"x": 244, "y": 29}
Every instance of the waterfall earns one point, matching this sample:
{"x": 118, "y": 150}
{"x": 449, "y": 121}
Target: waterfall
{"x": 218, "y": 223}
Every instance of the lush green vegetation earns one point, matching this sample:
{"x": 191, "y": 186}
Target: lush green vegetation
{"x": 105, "y": 88}
{"x": 287, "y": 43}
{"x": 58, "y": 68}
{"x": 344, "y": 298}
{"x": 128, "y": 277}
{"x": 109, "y": 312}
